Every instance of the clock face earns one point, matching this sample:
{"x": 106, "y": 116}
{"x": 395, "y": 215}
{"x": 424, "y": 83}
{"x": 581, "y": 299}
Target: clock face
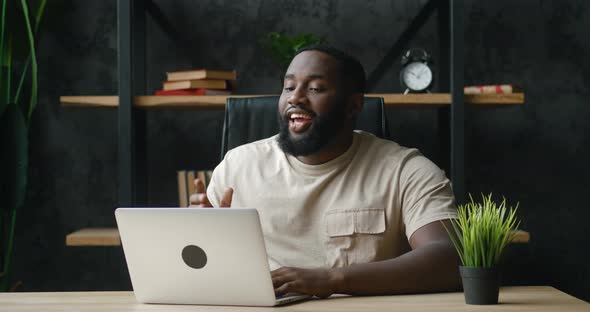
{"x": 417, "y": 76}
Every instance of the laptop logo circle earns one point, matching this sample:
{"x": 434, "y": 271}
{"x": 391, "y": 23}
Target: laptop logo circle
{"x": 194, "y": 256}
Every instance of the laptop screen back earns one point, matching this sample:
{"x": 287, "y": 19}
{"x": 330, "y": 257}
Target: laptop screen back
{"x": 196, "y": 255}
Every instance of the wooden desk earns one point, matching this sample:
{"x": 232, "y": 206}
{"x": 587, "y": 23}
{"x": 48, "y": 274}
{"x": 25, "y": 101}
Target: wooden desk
{"x": 522, "y": 299}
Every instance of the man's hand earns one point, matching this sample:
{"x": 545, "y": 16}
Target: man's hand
{"x": 316, "y": 282}
{"x": 199, "y": 199}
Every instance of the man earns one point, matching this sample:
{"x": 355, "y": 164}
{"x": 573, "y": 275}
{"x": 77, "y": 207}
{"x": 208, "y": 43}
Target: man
{"x": 342, "y": 211}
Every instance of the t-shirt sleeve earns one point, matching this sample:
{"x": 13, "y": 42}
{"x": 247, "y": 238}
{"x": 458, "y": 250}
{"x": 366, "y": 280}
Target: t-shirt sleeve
{"x": 427, "y": 195}
{"x": 212, "y": 189}
{"x": 218, "y": 182}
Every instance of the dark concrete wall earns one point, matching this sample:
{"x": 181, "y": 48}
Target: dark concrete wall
{"x": 536, "y": 154}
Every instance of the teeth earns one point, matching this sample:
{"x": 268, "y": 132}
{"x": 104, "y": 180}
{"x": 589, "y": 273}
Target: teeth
{"x": 298, "y": 115}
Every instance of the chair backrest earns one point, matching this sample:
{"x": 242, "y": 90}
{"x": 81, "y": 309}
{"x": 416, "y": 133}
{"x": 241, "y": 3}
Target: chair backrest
{"x": 255, "y": 118}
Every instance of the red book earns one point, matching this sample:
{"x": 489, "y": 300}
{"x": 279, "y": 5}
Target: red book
{"x": 192, "y": 92}
{"x": 491, "y": 89}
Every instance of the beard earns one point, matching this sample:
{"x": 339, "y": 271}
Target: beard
{"x": 323, "y": 130}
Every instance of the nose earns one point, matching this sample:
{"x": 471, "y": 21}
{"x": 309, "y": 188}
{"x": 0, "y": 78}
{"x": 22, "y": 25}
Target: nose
{"x": 297, "y": 97}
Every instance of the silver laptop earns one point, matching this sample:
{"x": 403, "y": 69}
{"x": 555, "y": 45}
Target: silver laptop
{"x": 213, "y": 256}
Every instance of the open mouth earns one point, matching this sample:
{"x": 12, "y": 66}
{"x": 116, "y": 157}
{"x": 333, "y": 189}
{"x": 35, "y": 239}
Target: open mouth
{"x": 299, "y": 121}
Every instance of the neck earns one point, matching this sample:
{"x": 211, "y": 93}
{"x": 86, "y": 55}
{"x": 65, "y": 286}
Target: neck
{"x": 337, "y": 147}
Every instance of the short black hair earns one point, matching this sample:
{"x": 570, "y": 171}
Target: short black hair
{"x": 350, "y": 67}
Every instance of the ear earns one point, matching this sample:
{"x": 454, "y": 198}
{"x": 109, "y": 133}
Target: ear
{"x": 355, "y": 105}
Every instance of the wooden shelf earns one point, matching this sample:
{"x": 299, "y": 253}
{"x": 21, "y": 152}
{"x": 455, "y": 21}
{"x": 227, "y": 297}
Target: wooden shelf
{"x": 442, "y": 99}
{"x": 110, "y": 237}
{"x": 94, "y": 237}
{"x": 521, "y": 236}
{"x": 218, "y": 101}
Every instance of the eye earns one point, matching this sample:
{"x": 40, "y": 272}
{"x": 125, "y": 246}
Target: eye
{"x": 316, "y": 90}
{"x": 288, "y": 89}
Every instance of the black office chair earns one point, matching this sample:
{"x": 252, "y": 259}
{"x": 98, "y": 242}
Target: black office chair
{"x": 251, "y": 119}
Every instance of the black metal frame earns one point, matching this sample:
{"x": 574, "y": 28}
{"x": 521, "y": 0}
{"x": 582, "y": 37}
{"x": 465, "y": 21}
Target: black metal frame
{"x": 443, "y": 73}
{"x": 451, "y": 121}
{"x": 132, "y": 122}
{"x": 402, "y": 42}
{"x": 457, "y": 100}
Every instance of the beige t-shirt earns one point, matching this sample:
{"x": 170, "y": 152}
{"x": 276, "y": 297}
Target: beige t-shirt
{"x": 359, "y": 207}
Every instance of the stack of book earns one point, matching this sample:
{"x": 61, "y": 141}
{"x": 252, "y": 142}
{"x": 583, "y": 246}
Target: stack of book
{"x": 198, "y": 82}
{"x": 186, "y": 184}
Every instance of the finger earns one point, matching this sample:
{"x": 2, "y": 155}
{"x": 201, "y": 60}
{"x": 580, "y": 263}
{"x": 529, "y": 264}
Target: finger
{"x": 204, "y": 200}
{"x": 199, "y": 200}
{"x": 199, "y": 186}
{"x": 227, "y": 198}
{"x": 280, "y": 271}
{"x": 194, "y": 200}
{"x": 277, "y": 281}
{"x": 286, "y": 288}
{"x": 277, "y": 271}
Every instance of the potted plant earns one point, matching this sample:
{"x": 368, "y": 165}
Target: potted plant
{"x": 479, "y": 235}
{"x": 282, "y": 47}
{"x": 19, "y": 21}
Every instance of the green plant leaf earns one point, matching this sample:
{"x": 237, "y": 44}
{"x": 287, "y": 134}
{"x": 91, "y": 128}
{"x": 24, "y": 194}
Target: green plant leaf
{"x": 456, "y": 242}
{"x": 483, "y": 230}
{"x": 2, "y": 33}
{"x": 15, "y": 12}
{"x": 3, "y": 68}
{"x": 20, "y": 20}
{"x": 282, "y": 48}
{"x": 34, "y": 76}
{"x": 8, "y": 71}
{"x": 14, "y": 156}
{"x": 13, "y": 25}
{"x": 13, "y": 180}
{"x": 39, "y": 13}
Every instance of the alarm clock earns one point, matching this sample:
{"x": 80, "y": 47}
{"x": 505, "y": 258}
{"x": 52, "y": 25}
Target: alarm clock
{"x": 416, "y": 74}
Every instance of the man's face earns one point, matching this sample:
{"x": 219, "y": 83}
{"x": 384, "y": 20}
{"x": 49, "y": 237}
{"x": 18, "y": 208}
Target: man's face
{"x": 312, "y": 105}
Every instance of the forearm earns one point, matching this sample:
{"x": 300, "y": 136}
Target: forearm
{"x": 430, "y": 268}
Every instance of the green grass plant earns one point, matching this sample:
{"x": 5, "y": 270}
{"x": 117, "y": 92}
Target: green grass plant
{"x": 482, "y": 231}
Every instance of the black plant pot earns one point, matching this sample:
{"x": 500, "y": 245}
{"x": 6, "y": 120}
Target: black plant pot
{"x": 480, "y": 285}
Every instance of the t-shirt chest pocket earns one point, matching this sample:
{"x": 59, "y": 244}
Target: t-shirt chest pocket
{"x": 354, "y": 235}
